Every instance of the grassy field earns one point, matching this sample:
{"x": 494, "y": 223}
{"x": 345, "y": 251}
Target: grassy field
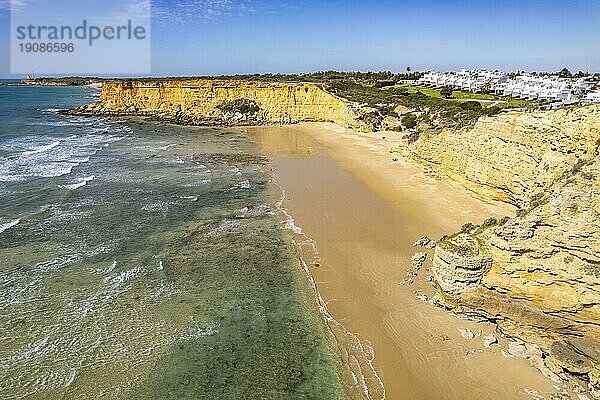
{"x": 486, "y": 100}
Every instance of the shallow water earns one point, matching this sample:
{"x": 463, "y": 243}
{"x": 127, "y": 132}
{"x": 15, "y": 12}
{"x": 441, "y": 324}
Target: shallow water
{"x": 146, "y": 261}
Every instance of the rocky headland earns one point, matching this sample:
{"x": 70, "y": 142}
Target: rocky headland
{"x": 66, "y": 81}
{"x": 536, "y": 274}
{"x": 225, "y": 102}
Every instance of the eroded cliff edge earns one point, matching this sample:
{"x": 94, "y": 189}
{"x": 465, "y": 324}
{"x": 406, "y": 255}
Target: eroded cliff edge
{"x": 536, "y": 274}
{"x": 224, "y": 102}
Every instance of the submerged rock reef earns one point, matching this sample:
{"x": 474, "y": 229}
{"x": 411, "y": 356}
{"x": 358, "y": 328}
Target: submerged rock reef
{"x": 224, "y": 102}
{"x": 536, "y": 274}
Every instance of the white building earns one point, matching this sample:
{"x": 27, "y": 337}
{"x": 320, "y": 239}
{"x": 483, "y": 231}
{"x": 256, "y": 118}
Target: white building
{"x": 591, "y": 97}
{"x": 524, "y": 86}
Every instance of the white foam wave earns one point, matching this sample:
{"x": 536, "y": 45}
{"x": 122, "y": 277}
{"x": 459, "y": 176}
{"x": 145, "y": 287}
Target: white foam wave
{"x": 71, "y": 377}
{"x": 126, "y": 275}
{"x": 192, "y": 198}
{"x": 241, "y": 186}
{"x": 81, "y": 160}
{"x": 50, "y": 110}
{"x": 41, "y": 149}
{"x": 198, "y": 183}
{"x": 197, "y": 332}
{"x": 104, "y": 271}
{"x": 52, "y": 123}
{"x": 53, "y": 170}
{"x": 12, "y": 178}
{"x": 80, "y": 183}
{"x": 29, "y": 158}
{"x": 165, "y": 148}
{"x": 8, "y": 225}
{"x": 289, "y": 224}
{"x": 158, "y": 206}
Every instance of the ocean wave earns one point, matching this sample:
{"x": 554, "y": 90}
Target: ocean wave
{"x": 197, "y": 332}
{"x": 51, "y": 123}
{"x": 81, "y": 160}
{"x": 104, "y": 271}
{"x": 79, "y": 183}
{"x": 126, "y": 275}
{"x": 291, "y": 225}
{"x": 33, "y": 156}
{"x": 192, "y": 198}
{"x": 8, "y": 225}
{"x": 41, "y": 149}
{"x": 12, "y": 178}
{"x": 54, "y": 169}
{"x": 51, "y": 170}
{"x": 165, "y": 148}
{"x": 240, "y": 186}
{"x": 198, "y": 183}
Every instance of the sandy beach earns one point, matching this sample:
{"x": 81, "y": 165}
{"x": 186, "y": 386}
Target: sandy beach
{"x": 361, "y": 212}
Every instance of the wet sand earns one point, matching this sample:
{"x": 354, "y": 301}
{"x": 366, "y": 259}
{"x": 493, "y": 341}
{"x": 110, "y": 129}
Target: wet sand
{"x": 363, "y": 211}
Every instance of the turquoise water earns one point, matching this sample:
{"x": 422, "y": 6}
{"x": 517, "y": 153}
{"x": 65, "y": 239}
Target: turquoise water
{"x": 146, "y": 261}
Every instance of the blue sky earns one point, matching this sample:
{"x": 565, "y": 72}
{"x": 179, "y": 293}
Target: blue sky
{"x": 207, "y": 37}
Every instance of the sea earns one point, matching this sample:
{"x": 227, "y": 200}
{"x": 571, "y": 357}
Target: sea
{"x": 141, "y": 260}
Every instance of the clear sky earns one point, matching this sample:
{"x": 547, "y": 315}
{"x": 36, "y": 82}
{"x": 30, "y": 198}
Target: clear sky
{"x": 207, "y": 37}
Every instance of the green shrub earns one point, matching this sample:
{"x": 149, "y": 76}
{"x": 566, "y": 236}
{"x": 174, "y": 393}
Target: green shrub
{"x": 493, "y": 110}
{"x": 468, "y": 227}
{"x": 489, "y": 222}
{"x": 380, "y": 84}
{"x": 503, "y": 220}
{"x": 409, "y": 120}
{"x": 446, "y": 92}
{"x": 244, "y": 106}
{"x": 471, "y": 106}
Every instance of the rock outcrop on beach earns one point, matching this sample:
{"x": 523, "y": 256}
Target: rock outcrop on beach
{"x": 225, "y": 102}
{"x": 536, "y": 274}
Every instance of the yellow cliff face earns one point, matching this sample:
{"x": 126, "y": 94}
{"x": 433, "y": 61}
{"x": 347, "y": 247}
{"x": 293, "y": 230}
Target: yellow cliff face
{"x": 199, "y": 99}
{"x": 544, "y": 282}
{"x": 512, "y": 156}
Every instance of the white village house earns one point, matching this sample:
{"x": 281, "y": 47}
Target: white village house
{"x": 559, "y": 91}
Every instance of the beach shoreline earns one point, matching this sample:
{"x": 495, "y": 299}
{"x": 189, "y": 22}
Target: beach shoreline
{"x": 357, "y": 260}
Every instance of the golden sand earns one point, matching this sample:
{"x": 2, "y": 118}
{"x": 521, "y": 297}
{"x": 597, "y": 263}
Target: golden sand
{"x": 364, "y": 211}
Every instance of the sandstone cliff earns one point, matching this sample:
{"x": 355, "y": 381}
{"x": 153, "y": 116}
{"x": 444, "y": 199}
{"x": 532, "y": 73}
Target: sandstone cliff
{"x": 229, "y": 102}
{"x": 542, "y": 282}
